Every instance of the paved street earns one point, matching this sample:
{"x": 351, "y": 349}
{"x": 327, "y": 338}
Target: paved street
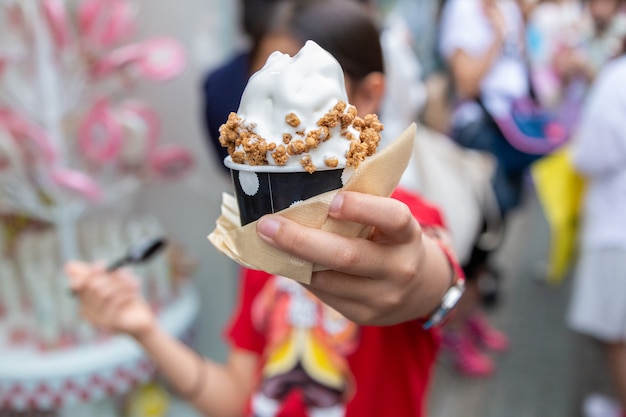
{"x": 549, "y": 369}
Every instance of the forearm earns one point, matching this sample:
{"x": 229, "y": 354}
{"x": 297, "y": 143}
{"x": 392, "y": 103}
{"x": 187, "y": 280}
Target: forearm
{"x": 469, "y": 71}
{"x": 214, "y": 389}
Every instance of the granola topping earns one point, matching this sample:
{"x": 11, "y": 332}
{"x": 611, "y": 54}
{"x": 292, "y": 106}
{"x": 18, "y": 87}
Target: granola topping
{"x": 246, "y": 147}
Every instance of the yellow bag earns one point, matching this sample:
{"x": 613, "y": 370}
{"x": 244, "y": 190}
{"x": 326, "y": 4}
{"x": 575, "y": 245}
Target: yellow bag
{"x": 560, "y": 189}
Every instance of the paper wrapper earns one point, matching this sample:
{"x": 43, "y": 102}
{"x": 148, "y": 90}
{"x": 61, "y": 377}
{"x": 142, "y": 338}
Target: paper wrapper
{"x": 378, "y": 175}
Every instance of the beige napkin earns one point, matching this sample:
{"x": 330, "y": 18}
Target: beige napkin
{"x": 378, "y": 175}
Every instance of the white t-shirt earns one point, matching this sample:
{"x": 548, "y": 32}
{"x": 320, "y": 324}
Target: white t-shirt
{"x": 599, "y": 152}
{"x": 465, "y": 27}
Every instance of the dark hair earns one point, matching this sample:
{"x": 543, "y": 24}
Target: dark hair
{"x": 256, "y": 13}
{"x": 345, "y": 28}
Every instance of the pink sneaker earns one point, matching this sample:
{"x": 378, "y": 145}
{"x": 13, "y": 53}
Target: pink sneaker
{"x": 486, "y": 335}
{"x": 466, "y": 357}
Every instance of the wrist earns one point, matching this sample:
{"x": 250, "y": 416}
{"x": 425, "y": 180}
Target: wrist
{"x": 442, "y": 262}
{"x": 146, "y": 332}
{"x": 455, "y": 286}
{"x": 433, "y": 278}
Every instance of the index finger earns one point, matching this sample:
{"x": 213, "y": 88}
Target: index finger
{"x": 350, "y": 255}
{"x": 390, "y": 217}
{"x": 79, "y": 272}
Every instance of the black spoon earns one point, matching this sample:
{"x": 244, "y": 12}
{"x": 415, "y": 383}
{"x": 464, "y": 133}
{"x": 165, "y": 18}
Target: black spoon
{"x": 139, "y": 253}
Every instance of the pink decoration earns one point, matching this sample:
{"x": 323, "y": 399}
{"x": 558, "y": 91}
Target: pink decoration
{"x": 88, "y": 12}
{"x": 54, "y": 14}
{"x": 170, "y": 162}
{"x": 147, "y": 117}
{"x": 28, "y": 134}
{"x": 162, "y": 59}
{"x": 15, "y": 15}
{"x": 77, "y": 182}
{"x": 159, "y": 59}
{"x": 116, "y": 60}
{"x": 105, "y": 23}
{"x": 100, "y": 134}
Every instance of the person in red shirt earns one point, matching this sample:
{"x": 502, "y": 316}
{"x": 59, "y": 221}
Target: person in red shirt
{"x": 389, "y": 366}
{"x": 355, "y": 343}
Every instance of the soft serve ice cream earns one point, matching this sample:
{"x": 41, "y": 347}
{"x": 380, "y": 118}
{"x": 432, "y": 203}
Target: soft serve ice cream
{"x": 294, "y": 113}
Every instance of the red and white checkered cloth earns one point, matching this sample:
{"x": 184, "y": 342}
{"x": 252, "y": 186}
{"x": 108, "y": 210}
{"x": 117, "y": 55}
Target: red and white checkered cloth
{"x": 114, "y": 368}
{"x": 56, "y": 393}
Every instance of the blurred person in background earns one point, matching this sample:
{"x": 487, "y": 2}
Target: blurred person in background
{"x": 321, "y": 349}
{"x": 482, "y": 45}
{"x": 421, "y": 20}
{"x": 598, "y": 304}
{"x": 605, "y": 28}
{"x": 569, "y": 41}
{"x": 554, "y": 28}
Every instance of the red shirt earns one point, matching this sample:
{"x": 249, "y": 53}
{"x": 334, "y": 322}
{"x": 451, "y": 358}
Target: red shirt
{"x": 391, "y": 365}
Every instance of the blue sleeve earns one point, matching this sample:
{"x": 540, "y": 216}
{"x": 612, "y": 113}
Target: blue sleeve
{"x": 221, "y": 92}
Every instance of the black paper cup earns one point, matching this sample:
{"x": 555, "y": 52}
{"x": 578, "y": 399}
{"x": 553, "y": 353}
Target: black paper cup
{"x": 262, "y": 190}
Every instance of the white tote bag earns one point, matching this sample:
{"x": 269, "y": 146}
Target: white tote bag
{"x": 458, "y": 181}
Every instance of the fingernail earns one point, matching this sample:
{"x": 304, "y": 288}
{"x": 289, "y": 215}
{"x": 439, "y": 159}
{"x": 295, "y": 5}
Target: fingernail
{"x": 268, "y": 226}
{"x": 335, "y": 205}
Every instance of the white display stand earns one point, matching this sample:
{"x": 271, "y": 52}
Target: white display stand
{"x": 30, "y": 380}
{"x": 74, "y": 141}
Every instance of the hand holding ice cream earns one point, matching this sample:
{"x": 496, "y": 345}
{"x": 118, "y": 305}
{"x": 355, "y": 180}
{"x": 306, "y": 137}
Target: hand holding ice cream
{"x": 297, "y": 107}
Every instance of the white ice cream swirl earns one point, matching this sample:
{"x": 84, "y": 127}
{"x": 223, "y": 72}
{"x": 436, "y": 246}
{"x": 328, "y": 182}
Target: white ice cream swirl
{"x": 294, "y": 113}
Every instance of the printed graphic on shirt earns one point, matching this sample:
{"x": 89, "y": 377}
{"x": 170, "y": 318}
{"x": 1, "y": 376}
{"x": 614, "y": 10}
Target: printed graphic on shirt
{"x": 307, "y": 345}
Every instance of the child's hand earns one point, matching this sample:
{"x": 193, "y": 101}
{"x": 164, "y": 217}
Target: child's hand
{"x": 112, "y": 301}
{"x": 386, "y": 279}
